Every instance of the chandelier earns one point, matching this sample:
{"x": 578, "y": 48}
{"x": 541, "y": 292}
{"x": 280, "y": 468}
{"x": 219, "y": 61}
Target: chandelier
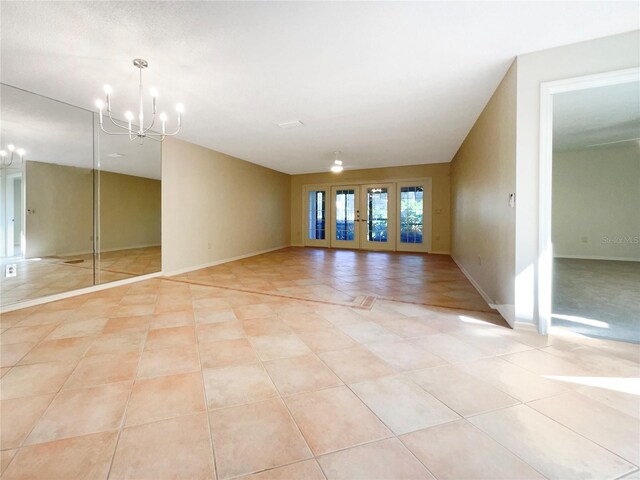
{"x": 141, "y": 132}
{"x": 6, "y": 159}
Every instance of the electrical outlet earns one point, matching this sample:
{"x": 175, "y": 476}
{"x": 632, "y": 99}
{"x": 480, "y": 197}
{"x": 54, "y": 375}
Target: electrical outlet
{"x": 10, "y": 270}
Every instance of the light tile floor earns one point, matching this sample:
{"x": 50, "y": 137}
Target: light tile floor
{"x": 169, "y": 379}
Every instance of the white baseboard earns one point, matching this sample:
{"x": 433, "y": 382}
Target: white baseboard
{"x": 133, "y": 247}
{"x": 440, "y": 252}
{"x": 220, "y": 262}
{"x": 526, "y": 326}
{"x": 474, "y": 283}
{"x": 507, "y": 311}
{"x": 75, "y": 293}
{"x": 90, "y": 252}
{"x": 595, "y": 257}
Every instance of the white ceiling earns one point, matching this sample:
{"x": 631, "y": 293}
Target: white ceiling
{"x": 593, "y": 116}
{"x": 386, "y": 83}
{"x": 54, "y": 132}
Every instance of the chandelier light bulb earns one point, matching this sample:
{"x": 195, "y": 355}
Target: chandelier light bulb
{"x": 336, "y": 168}
{"x": 180, "y": 108}
{"x": 153, "y": 92}
{"x": 11, "y": 147}
{"x": 163, "y": 117}
{"x": 108, "y": 90}
{"x": 338, "y": 162}
{"x": 3, "y": 153}
{"x": 128, "y": 115}
{"x": 99, "y": 104}
{"x": 20, "y": 151}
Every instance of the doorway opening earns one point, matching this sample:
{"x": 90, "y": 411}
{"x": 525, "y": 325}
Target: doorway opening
{"x": 590, "y": 194}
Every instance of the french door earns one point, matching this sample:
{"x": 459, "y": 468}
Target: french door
{"x": 414, "y": 214}
{"x": 377, "y": 216}
{"x": 363, "y": 216}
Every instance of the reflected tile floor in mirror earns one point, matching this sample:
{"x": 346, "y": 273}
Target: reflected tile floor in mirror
{"x": 164, "y": 378}
{"x": 40, "y": 277}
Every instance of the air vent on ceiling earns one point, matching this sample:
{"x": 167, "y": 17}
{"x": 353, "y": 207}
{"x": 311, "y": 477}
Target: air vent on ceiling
{"x": 292, "y": 124}
{"x": 116, "y": 155}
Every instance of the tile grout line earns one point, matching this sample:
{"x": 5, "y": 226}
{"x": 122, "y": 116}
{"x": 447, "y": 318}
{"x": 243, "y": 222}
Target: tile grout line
{"x": 204, "y": 396}
{"x": 124, "y": 413}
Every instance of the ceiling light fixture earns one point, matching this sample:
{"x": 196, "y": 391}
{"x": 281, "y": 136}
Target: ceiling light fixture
{"x": 7, "y": 157}
{"x": 141, "y": 132}
{"x": 337, "y": 164}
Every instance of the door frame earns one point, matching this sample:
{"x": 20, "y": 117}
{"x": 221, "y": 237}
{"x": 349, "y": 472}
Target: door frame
{"x": 545, "y": 245}
{"x": 357, "y": 201}
{"x": 427, "y": 217}
{"x": 307, "y": 242}
{"x": 390, "y": 244}
{"x": 9, "y": 211}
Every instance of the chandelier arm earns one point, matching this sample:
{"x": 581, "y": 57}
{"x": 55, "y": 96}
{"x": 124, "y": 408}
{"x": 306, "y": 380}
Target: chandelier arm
{"x": 174, "y": 133}
{"x": 114, "y": 133}
{"x": 124, "y": 127}
{"x": 165, "y": 134}
{"x": 153, "y": 120}
{"x": 153, "y": 137}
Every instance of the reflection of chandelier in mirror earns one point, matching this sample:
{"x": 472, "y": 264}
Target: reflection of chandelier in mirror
{"x": 7, "y": 158}
{"x": 141, "y": 131}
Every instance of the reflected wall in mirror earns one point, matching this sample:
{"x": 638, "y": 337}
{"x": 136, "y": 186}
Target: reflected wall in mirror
{"x": 79, "y": 209}
{"x": 128, "y": 198}
{"x": 47, "y": 199}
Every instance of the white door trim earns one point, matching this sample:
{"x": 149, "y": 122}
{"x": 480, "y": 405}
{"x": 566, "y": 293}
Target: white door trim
{"x": 427, "y": 216}
{"x": 392, "y": 223}
{"x": 306, "y": 241}
{"x": 545, "y": 245}
{"x": 397, "y": 182}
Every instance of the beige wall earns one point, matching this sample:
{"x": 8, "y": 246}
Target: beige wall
{"x": 62, "y": 198}
{"x": 439, "y": 172}
{"x": 482, "y": 177}
{"x": 607, "y": 54}
{"x": 129, "y": 211}
{"x": 216, "y": 207}
{"x": 596, "y": 195}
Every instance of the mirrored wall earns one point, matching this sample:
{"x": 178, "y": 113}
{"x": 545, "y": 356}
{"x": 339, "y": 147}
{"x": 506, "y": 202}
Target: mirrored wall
{"x": 79, "y": 208}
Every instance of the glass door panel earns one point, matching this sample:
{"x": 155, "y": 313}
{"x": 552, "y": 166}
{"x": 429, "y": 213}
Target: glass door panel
{"x": 377, "y": 226}
{"x": 346, "y": 215}
{"x": 413, "y": 211}
{"x": 316, "y": 217}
